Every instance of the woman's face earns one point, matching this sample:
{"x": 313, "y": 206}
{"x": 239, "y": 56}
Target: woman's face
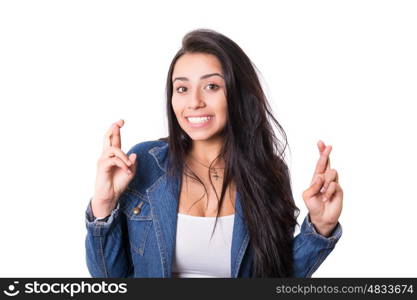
{"x": 199, "y": 95}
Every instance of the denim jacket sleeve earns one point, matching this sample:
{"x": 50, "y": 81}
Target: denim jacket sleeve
{"x": 106, "y": 250}
{"x": 310, "y": 248}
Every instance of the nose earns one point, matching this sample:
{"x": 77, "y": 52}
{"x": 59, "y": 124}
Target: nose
{"x": 196, "y": 100}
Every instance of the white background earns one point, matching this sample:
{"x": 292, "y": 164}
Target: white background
{"x": 341, "y": 71}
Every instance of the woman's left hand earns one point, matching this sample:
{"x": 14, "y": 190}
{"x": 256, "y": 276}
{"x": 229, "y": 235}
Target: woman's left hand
{"x": 324, "y": 197}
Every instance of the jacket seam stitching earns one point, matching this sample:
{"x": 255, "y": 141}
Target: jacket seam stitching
{"x": 136, "y": 193}
{"x": 157, "y": 229}
{"x": 153, "y": 186}
{"x": 320, "y": 259}
{"x": 240, "y": 255}
{"x": 160, "y": 246}
{"x": 102, "y": 257}
{"x": 151, "y": 152}
{"x": 141, "y": 248}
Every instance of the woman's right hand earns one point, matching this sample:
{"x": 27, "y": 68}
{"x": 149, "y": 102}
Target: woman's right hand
{"x": 114, "y": 172}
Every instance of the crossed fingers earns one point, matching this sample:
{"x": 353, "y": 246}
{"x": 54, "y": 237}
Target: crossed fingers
{"x": 327, "y": 177}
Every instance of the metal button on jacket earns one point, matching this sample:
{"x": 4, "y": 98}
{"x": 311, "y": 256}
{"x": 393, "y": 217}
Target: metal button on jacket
{"x": 136, "y": 210}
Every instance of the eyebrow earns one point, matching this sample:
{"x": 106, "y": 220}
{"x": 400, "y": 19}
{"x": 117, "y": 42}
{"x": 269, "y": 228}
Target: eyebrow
{"x": 202, "y": 77}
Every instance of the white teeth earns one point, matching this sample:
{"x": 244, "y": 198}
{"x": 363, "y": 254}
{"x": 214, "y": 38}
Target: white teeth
{"x": 199, "y": 120}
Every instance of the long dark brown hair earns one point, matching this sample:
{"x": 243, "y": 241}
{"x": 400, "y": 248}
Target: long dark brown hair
{"x": 253, "y": 155}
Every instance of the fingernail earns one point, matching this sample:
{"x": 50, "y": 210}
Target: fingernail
{"x": 129, "y": 172}
{"x": 322, "y": 190}
{"x": 132, "y": 158}
{"x": 324, "y": 199}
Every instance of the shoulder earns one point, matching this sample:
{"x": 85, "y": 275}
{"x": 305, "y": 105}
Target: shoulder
{"x": 148, "y": 147}
{"x": 150, "y": 163}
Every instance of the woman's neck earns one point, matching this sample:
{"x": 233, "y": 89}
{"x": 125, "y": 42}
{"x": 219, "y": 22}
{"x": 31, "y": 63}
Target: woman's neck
{"x": 207, "y": 151}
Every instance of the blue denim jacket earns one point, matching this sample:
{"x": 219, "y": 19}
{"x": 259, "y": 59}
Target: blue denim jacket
{"x": 138, "y": 238}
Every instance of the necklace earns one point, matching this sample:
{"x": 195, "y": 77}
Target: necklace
{"x": 215, "y": 175}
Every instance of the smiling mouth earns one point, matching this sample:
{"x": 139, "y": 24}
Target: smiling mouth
{"x": 199, "y": 120}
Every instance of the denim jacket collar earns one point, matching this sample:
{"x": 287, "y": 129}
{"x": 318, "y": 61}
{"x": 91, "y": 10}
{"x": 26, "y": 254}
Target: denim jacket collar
{"x": 163, "y": 199}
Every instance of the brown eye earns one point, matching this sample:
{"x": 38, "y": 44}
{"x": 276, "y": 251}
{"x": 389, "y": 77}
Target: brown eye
{"x": 181, "y": 91}
{"x": 213, "y": 86}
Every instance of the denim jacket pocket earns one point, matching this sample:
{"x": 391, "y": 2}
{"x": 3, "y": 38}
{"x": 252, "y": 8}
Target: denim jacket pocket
{"x": 139, "y": 221}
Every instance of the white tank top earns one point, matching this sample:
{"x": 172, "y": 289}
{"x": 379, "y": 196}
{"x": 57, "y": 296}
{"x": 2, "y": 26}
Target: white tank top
{"x": 198, "y": 256}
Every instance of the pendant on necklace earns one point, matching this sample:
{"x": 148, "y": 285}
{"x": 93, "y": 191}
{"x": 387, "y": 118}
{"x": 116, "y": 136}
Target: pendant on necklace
{"x": 215, "y": 175}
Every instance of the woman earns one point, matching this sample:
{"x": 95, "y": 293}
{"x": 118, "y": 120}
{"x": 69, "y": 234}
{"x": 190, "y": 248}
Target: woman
{"x": 214, "y": 198}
